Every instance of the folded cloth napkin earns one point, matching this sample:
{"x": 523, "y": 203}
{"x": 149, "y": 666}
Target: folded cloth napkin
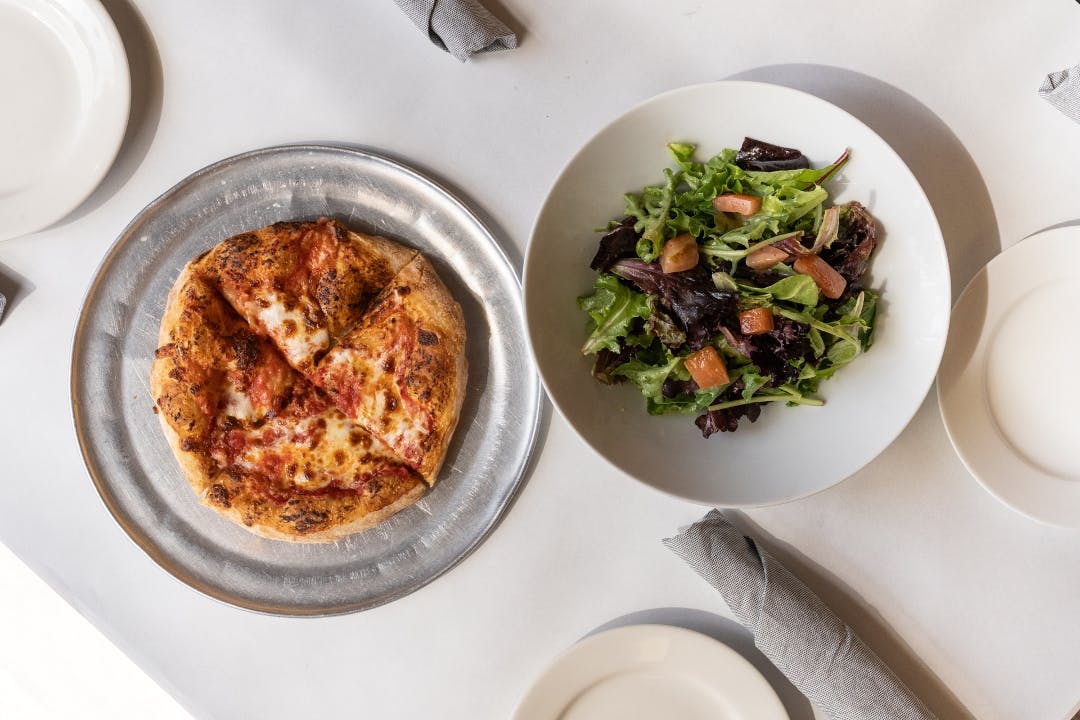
{"x": 1062, "y": 90}
{"x": 816, "y": 650}
{"x": 461, "y": 27}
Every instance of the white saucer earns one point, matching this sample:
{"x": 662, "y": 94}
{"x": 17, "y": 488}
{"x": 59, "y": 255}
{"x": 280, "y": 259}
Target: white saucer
{"x": 66, "y": 93}
{"x": 647, "y": 672}
{"x": 1008, "y": 386}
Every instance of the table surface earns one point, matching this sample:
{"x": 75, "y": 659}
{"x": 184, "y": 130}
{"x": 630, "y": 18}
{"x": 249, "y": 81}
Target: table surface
{"x": 974, "y": 605}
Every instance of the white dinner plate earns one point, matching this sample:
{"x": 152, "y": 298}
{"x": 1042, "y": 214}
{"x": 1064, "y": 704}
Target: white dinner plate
{"x": 789, "y": 452}
{"x": 65, "y": 92}
{"x": 651, "y": 672}
{"x": 1008, "y": 386}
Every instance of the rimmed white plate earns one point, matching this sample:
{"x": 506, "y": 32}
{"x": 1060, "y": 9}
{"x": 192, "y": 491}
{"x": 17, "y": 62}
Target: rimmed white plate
{"x": 651, "y": 671}
{"x": 1008, "y": 388}
{"x": 66, "y": 94}
{"x": 790, "y": 452}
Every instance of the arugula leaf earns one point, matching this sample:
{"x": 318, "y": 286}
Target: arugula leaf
{"x": 752, "y": 381}
{"x": 613, "y": 307}
{"x": 785, "y": 393}
{"x": 650, "y": 377}
{"x": 682, "y": 404}
{"x": 861, "y": 309}
{"x": 652, "y": 210}
{"x": 650, "y": 369}
{"x": 723, "y": 281}
{"x": 800, "y": 289}
{"x": 790, "y": 203}
{"x": 817, "y": 343}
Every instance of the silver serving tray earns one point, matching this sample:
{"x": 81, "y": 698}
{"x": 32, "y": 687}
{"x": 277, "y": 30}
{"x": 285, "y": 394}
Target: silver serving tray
{"x": 133, "y": 467}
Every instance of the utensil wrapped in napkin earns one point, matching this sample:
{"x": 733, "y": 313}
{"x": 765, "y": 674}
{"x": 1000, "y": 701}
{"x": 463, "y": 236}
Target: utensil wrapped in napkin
{"x": 461, "y": 27}
{"x": 1062, "y": 90}
{"x": 814, "y": 648}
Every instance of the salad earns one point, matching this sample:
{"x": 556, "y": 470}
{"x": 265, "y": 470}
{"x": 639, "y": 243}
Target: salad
{"x": 733, "y": 284}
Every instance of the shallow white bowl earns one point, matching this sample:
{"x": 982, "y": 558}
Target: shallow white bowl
{"x": 789, "y": 452}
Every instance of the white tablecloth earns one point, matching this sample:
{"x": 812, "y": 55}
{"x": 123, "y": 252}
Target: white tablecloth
{"x": 975, "y": 606}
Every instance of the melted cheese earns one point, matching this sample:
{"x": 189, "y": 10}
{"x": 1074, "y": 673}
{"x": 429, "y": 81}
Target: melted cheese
{"x": 289, "y": 329}
{"x": 381, "y": 406}
{"x": 339, "y": 457}
{"x": 238, "y": 404}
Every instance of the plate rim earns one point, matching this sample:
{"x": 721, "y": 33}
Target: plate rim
{"x": 1054, "y": 235}
{"x": 611, "y": 640}
{"x": 940, "y": 248}
{"x": 140, "y": 539}
{"x": 107, "y": 144}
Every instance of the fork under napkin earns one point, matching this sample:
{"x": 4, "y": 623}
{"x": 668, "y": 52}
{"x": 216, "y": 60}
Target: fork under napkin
{"x": 814, "y": 648}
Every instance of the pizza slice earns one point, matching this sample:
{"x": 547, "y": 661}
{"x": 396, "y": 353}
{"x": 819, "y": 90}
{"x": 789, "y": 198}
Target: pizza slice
{"x": 260, "y": 443}
{"x": 303, "y": 284}
{"x": 401, "y": 372}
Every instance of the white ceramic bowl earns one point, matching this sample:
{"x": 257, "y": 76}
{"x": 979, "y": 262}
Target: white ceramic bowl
{"x": 789, "y": 452}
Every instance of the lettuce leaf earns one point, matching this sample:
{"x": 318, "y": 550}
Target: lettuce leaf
{"x": 613, "y": 308}
{"x": 799, "y": 289}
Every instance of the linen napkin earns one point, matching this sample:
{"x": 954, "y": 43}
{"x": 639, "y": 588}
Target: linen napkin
{"x": 463, "y": 28}
{"x": 1062, "y": 90}
{"x": 814, "y": 648}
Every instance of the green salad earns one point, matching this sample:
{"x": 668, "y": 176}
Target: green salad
{"x": 732, "y": 284}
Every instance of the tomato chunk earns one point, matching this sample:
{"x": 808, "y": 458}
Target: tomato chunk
{"x": 736, "y": 203}
{"x": 679, "y": 253}
{"x": 756, "y": 321}
{"x": 707, "y": 368}
{"x": 830, "y": 282}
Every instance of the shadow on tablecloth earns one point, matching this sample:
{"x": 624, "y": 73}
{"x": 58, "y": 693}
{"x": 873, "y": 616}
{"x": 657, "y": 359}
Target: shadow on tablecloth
{"x": 938, "y": 159}
{"x": 147, "y": 86}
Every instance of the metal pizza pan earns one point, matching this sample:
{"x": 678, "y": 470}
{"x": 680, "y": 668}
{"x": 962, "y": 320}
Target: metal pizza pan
{"x": 133, "y": 467}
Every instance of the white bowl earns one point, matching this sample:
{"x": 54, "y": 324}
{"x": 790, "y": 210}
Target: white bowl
{"x": 789, "y": 452}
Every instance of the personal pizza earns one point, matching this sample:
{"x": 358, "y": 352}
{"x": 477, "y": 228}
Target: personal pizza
{"x": 309, "y": 378}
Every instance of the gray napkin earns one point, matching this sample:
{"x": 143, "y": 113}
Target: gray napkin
{"x": 461, "y": 27}
{"x": 816, "y": 650}
{"x": 3, "y": 304}
{"x": 1062, "y": 90}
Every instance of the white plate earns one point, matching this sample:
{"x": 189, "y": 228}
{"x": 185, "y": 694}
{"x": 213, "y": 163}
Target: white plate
{"x": 789, "y": 452}
{"x": 66, "y": 94}
{"x": 1008, "y": 387}
{"x": 646, "y": 672}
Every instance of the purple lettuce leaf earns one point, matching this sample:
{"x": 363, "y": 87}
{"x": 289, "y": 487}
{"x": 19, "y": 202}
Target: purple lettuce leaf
{"x": 691, "y": 297}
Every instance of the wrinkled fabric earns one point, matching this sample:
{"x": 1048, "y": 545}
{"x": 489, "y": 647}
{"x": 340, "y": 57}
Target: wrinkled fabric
{"x": 1062, "y": 90}
{"x": 813, "y": 647}
{"x": 463, "y": 28}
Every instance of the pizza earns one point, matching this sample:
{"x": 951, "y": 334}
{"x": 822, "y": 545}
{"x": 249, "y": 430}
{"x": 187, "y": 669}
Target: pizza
{"x": 309, "y": 379}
